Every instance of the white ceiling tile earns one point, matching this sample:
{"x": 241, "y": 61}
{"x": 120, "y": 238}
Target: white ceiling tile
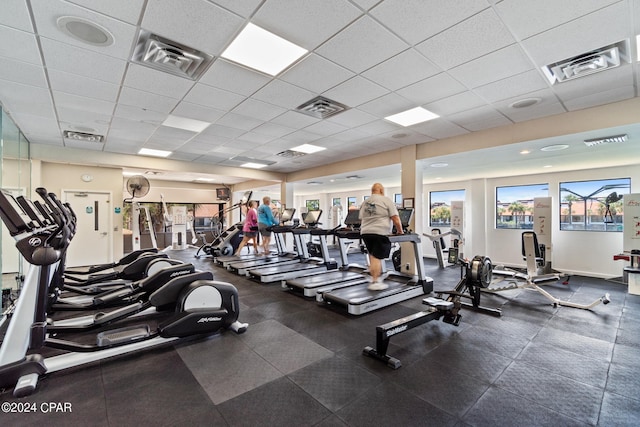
{"x": 387, "y": 105}
{"x": 11, "y": 91}
{"x": 195, "y": 23}
{"x": 184, "y": 156}
{"x": 197, "y": 112}
{"x": 38, "y": 124}
{"x": 378, "y": 127}
{"x": 510, "y": 87}
{"x": 130, "y": 129}
{"x": 580, "y": 36}
{"x": 455, "y": 103}
{"x": 84, "y": 145}
{"x": 600, "y": 98}
{"x": 301, "y": 137}
{"x": 527, "y": 18}
{"x": 352, "y": 117}
{"x": 477, "y": 36}
{"x": 534, "y": 112}
{"x": 83, "y": 120}
{"x": 233, "y": 78}
{"x": 366, "y": 4}
{"x": 295, "y": 120}
{"x": 239, "y": 121}
{"x": 125, "y": 10}
{"x": 154, "y": 81}
{"x": 349, "y": 135}
{"x": 316, "y": 74}
{"x": 417, "y": 20}
{"x": 407, "y": 137}
{"x": 15, "y": 14}
{"x": 19, "y": 45}
{"x": 306, "y": 24}
{"x": 495, "y": 66}
{"x": 139, "y": 114}
{"x": 432, "y": 89}
{"x": 148, "y": 100}
{"x": 273, "y": 130}
{"x": 44, "y": 108}
{"x": 362, "y": 45}
{"x": 355, "y": 91}
{"x": 402, "y": 70}
{"x": 439, "y": 129}
{"x": 479, "y": 118}
{"x": 74, "y": 60}
{"x": 259, "y": 110}
{"x": 325, "y": 128}
{"x": 44, "y": 138}
{"x": 46, "y": 12}
{"x": 546, "y": 96}
{"x": 243, "y": 8}
{"x": 22, "y": 72}
{"x": 612, "y": 78}
{"x": 212, "y": 97}
{"x": 255, "y": 138}
{"x": 167, "y": 132}
{"x": 216, "y": 130}
{"x": 284, "y": 94}
{"x": 83, "y": 86}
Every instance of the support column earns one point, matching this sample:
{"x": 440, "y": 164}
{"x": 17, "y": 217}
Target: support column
{"x": 286, "y": 194}
{"x": 411, "y": 188}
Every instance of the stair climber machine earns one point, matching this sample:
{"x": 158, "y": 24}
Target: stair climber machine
{"x": 306, "y": 264}
{"x": 189, "y": 307}
{"x": 403, "y": 285}
{"x": 345, "y": 275}
{"x": 281, "y": 257}
{"x": 227, "y": 242}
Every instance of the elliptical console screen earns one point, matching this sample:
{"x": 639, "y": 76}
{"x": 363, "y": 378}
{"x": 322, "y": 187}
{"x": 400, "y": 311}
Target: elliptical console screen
{"x": 312, "y": 217}
{"x": 287, "y": 214}
{"x": 405, "y": 215}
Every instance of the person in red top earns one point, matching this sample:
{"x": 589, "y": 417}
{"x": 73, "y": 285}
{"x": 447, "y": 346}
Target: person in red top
{"x": 250, "y": 228}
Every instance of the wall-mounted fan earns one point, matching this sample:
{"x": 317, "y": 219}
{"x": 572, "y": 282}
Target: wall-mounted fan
{"x": 137, "y": 186}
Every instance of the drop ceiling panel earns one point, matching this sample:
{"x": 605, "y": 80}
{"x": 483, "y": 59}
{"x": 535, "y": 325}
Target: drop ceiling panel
{"x": 213, "y": 97}
{"x": 216, "y": 130}
{"x": 544, "y": 109}
{"x": 22, "y": 72}
{"x": 92, "y": 146}
{"x": 239, "y": 121}
{"x": 259, "y": 110}
{"x": 283, "y": 94}
{"x": 243, "y": 8}
{"x": 139, "y": 114}
{"x": 600, "y": 98}
{"x": 195, "y": 23}
{"x": 16, "y": 15}
{"x": 19, "y": 45}
{"x": 580, "y": 36}
{"x": 477, "y": 36}
{"x": 131, "y": 130}
{"x": 255, "y": 138}
{"x": 197, "y": 112}
{"x": 28, "y": 106}
{"x": 186, "y": 157}
{"x": 125, "y": 10}
{"x": 233, "y": 78}
{"x": 355, "y": 91}
{"x": 456, "y": 103}
{"x": 295, "y": 120}
{"x": 325, "y": 128}
{"x": 316, "y": 74}
{"x": 42, "y": 125}
{"x": 378, "y": 127}
{"x": 513, "y": 86}
{"x": 83, "y": 86}
{"x": 439, "y": 129}
{"x": 67, "y": 100}
{"x": 154, "y": 81}
{"x": 404, "y": 69}
{"x": 352, "y": 117}
{"x": 495, "y": 66}
{"x": 83, "y": 120}
{"x": 272, "y": 129}
{"x": 428, "y": 90}
{"x": 46, "y": 12}
{"x": 75, "y": 60}
{"x": 387, "y": 105}
{"x": 417, "y": 20}
{"x": 598, "y": 82}
{"x": 517, "y": 14}
{"x": 10, "y": 91}
{"x": 307, "y": 24}
{"x": 362, "y": 45}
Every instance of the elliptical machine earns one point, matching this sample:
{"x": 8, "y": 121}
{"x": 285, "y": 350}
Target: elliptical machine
{"x": 202, "y": 307}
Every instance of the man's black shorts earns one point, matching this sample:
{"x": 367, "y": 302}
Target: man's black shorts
{"x": 377, "y": 245}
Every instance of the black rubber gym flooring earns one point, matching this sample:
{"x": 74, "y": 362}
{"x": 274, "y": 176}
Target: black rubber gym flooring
{"x": 301, "y": 364}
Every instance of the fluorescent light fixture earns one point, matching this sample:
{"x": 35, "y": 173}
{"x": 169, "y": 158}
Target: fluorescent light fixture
{"x": 261, "y": 50}
{"x": 185, "y": 123}
{"x": 253, "y": 165}
{"x": 412, "y": 116}
{"x": 308, "y": 148}
{"x": 154, "y": 153}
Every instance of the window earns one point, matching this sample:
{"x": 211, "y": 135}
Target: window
{"x": 440, "y": 206}
{"x": 397, "y": 199}
{"x": 351, "y": 202}
{"x": 514, "y": 205}
{"x": 593, "y": 205}
{"x": 336, "y": 201}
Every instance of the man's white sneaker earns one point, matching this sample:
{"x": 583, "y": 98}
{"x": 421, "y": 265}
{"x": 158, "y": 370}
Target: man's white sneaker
{"x": 377, "y": 286}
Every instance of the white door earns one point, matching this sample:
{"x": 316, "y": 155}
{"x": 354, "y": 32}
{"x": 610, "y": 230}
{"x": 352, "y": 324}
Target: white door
{"x": 94, "y": 232}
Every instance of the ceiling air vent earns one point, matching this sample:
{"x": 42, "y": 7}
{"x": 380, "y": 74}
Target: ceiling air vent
{"x": 321, "y": 108}
{"x": 82, "y": 136}
{"x": 606, "y": 140}
{"x": 606, "y": 57}
{"x": 169, "y": 56}
{"x": 290, "y": 153}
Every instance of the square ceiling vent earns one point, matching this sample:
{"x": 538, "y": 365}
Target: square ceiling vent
{"x": 321, "y": 107}
{"x": 171, "y": 57}
{"x": 601, "y": 59}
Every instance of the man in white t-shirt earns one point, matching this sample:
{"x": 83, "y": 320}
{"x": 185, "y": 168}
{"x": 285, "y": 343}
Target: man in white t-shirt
{"x": 377, "y": 214}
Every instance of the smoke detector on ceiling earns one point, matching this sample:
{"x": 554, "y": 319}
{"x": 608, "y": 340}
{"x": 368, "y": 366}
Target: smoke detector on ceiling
{"x": 321, "y": 107}
{"x": 606, "y": 140}
{"x": 82, "y": 136}
{"x": 171, "y": 57}
{"x": 597, "y": 60}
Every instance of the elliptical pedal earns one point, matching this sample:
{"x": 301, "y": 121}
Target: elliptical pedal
{"x": 121, "y": 335}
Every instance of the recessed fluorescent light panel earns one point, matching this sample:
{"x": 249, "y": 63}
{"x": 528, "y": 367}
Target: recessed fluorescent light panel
{"x": 261, "y": 50}
{"x": 412, "y": 116}
{"x": 308, "y": 148}
{"x": 154, "y": 153}
{"x": 185, "y": 123}
{"x": 253, "y": 165}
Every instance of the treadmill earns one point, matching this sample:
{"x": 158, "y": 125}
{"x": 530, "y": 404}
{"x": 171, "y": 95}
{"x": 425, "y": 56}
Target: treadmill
{"x": 346, "y": 275}
{"x": 358, "y": 299}
{"x": 282, "y": 257}
{"x": 306, "y": 265}
{"x": 224, "y": 261}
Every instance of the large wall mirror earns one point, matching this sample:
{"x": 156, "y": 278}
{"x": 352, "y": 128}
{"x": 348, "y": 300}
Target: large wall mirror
{"x": 16, "y": 179}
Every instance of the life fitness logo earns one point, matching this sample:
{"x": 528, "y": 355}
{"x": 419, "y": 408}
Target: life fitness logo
{"x": 542, "y": 205}
{"x": 633, "y": 202}
{"x": 35, "y": 242}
